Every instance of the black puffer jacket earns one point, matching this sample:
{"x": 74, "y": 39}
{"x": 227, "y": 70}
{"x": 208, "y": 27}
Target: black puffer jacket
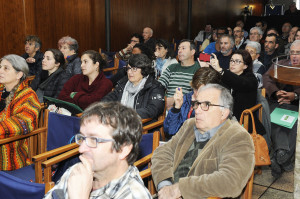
{"x": 54, "y": 87}
{"x": 148, "y": 103}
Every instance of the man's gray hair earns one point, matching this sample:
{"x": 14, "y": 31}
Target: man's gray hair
{"x": 254, "y": 44}
{"x": 230, "y": 39}
{"x": 18, "y": 63}
{"x": 226, "y": 98}
{"x": 260, "y": 32}
{"x": 296, "y": 42}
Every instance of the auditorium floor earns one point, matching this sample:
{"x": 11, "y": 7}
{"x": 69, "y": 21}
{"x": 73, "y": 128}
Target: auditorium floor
{"x": 267, "y": 187}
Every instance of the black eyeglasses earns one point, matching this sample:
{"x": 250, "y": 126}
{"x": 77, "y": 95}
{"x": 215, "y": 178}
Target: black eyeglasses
{"x": 131, "y": 68}
{"x": 236, "y": 61}
{"x": 204, "y": 105}
{"x": 91, "y": 142}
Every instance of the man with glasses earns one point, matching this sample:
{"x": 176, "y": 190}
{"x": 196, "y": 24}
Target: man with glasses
{"x": 109, "y": 143}
{"x": 125, "y": 53}
{"x": 239, "y": 39}
{"x": 211, "y": 155}
{"x": 285, "y": 97}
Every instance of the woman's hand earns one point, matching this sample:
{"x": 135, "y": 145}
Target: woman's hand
{"x": 214, "y": 62}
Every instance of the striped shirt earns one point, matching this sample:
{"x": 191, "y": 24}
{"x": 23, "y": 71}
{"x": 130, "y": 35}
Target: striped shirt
{"x": 128, "y": 186}
{"x": 176, "y": 75}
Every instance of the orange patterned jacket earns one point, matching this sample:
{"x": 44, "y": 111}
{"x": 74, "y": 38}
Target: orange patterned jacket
{"x": 18, "y": 118}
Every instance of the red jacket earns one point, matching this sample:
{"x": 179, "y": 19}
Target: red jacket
{"x": 86, "y": 94}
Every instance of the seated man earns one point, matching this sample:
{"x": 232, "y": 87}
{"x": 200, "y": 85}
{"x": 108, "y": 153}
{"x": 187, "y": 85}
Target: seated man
{"x": 183, "y": 108}
{"x": 285, "y": 97}
{"x": 204, "y": 34}
{"x": 270, "y": 50}
{"x": 181, "y": 74}
{"x": 239, "y": 39}
{"x": 109, "y": 143}
{"x": 148, "y": 38}
{"x": 33, "y": 55}
{"x": 126, "y": 52}
{"x": 211, "y": 155}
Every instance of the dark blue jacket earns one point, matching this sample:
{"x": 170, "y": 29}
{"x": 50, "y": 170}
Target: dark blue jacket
{"x": 175, "y": 119}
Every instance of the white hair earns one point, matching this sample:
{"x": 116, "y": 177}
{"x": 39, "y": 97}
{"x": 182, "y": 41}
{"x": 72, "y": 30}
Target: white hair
{"x": 255, "y": 45}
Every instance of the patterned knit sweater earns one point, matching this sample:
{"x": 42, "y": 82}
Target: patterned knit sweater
{"x": 18, "y": 118}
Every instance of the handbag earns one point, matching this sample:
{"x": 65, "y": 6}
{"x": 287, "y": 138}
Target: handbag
{"x": 262, "y": 157}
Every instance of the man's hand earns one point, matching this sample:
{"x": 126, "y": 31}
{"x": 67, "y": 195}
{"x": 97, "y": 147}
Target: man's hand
{"x": 285, "y": 97}
{"x": 169, "y": 192}
{"x": 81, "y": 180}
{"x": 178, "y": 98}
{"x": 30, "y": 60}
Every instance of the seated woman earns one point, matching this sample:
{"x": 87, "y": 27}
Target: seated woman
{"x": 239, "y": 79}
{"x": 139, "y": 89}
{"x": 19, "y": 110}
{"x": 259, "y": 69}
{"x": 182, "y": 109}
{"x": 137, "y": 49}
{"x": 51, "y": 80}
{"x": 69, "y": 47}
{"x": 165, "y": 56}
{"x": 91, "y": 85}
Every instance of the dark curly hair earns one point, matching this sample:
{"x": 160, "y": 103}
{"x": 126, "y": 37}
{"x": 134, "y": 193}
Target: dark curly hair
{"x": 126, "y": 124}
{"x": 96, "y": 57}
{"x": 145, "y": 50}
{"x": 165, "y": 44}
{"x": 143, "y": 62}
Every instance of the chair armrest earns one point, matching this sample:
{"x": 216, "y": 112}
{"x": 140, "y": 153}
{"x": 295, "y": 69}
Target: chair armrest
{"x": 145, "y": 173}
{"x": 54, "y": 152}
{"x": 146, "y": 120}
{"x": 256, "y": 107}
{"x": 143, "y": 160}
{"x": 20, "y": 137}
{"x": 153, "y": 125}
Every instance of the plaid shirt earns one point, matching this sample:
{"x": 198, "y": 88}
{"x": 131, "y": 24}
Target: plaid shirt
{"x": 128, "y": 186}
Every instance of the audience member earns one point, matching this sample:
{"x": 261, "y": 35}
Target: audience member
{"x": 286, "y": 28}
{"x": 240, "y": 80}
{"x": 229, "y": 31}
{"x": 181, "y": 74}
{"x": 239, "y": 38}
{"x": 281, "y": 44}
{"x": 292, "y": 11}
{"x": 90, "y": 86}
{"x": 241, "y": 24}
{"x": 19, "y": 110}
{"x": 183, "y": 108}
{"x": 33, "y": 55}
{"x": 291, "y": 39}
{"x": 227, "y": 47}
{"x": 286, "y": 97}
{"x": 211, "y": 155}
{"x": 139, "y": 89}
{"x": 209, "y": 40}
{"x": 270, "y": 50}
{"x": 126, "y": 52}
{"x": 165, "y": 56}
{"x": 69, "y": 47}
{"x": 215, "y": 46}
{"x": 297, "y": 35}
{"x": 256, "y": 34}
{"x": 109, "y": 143}
{"x": 52, "y": 78}
{"x": 263, "y": 26}
{"x": 139, "y": 48}
{"x": 259, "y": 69}
{"x": 204, "y": 34}
{"x": 148, "y": 39}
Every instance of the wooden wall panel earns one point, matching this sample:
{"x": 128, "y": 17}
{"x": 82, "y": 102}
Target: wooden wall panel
{"x": 12, "y": 27}
{"x": 85, "y": 20}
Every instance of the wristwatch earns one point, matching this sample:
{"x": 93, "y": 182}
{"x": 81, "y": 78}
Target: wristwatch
{"x": 296, "y": 96}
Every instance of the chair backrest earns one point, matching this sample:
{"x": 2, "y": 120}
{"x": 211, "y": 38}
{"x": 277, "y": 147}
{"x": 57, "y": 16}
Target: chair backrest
{"x": 148, "y": 144}
{"x": 61, "y": 129}
{"x": 13, "y": 187}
